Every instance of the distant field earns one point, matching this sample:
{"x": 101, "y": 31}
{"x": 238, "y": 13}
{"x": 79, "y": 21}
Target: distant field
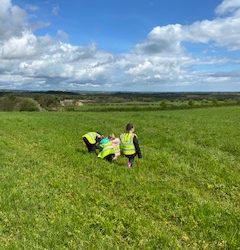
{"x": 184, "y": 193}
{"x": 107, "y": 101}
{"x": 151, "y": 106}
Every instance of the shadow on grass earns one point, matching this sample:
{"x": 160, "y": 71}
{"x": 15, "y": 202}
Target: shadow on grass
{"x": 83, "y": 151}
{"x": 118, "y": 163}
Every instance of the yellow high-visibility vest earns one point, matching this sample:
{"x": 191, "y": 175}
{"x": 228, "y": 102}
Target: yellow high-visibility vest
{"x": 107, "y": 149}
{"x": 127, "y": 146}
{"x": 91, "y": 137}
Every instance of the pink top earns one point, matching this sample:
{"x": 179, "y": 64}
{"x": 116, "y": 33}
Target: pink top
{"x": 115, "y": 142}
{"x": 116, "y": 146}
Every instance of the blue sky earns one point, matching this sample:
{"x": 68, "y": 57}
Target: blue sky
{"x": 134, "y": 45}
{"x": 116, "y": 26}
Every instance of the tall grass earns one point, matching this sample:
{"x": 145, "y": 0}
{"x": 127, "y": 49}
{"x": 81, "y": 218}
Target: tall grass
{"x": 184, "y": 193}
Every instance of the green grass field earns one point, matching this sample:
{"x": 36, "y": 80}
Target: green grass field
{"x": 184, "y": 193}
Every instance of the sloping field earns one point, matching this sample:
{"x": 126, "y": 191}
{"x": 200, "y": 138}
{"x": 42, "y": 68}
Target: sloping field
{"x": 184, "y": 193}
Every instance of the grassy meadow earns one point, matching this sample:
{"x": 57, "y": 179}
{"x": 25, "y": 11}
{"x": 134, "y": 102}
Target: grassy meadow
{"x": 183, "y": 194}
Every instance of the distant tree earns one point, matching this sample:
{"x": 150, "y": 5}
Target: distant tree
{"x": 191, "y": 103}
{"x": 163, "y": 104}
{"x": 27, "y": 104}
{"x": 214, "y": 102}
{"x": 49, "y": 101}
{"x": 7, "y": 103}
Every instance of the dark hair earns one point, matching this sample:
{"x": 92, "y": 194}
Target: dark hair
{"x": 129, "y": 127}
{"x": 100, "y": 134}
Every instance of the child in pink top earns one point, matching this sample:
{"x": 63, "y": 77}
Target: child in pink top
{"x": 116, "y": 145}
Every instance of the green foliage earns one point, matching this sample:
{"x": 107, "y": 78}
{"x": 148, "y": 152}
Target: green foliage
{"x": 14, "y": 103}
{"x": 214, "y": 101}
{"x": 163, "y": 104}
{"x": 28, "y": 104}
{"x": 184, "y": 193}
{"x": 8, "y": 103}
{"x": 105, "y": 102}
{"x": 191, "y": 103}
{"x": 48, "y": 101}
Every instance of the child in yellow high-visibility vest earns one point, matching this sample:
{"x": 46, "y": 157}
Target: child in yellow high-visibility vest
{"x": 129, "y": 144}
{"x": 107, "y": 151}
{"x": 91, "y": 140}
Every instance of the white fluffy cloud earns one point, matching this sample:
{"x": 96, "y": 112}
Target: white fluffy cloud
{"x": 163, "y": 57}
{"x": 12, "y": 19}
{"x": 228, "y": 6}
{"x": 43, "y": 62}
{"x": 223, "y": 32}
{"x": 19, "y": 47}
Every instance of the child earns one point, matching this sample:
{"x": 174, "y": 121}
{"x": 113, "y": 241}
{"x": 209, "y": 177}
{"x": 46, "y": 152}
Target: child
{"x": 107, "y": 151}
{"x": 91, "y": 139}
{"x": 129, "y": 144}
{"x": 116, "y": 145}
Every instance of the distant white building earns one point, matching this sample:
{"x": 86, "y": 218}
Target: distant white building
{"x": 70, "y": 103}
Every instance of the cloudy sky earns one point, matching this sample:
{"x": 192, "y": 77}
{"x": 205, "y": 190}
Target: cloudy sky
{"x": 127, "y": 45}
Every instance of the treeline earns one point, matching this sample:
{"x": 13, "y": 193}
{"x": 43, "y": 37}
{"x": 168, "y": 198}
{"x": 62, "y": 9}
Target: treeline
{"x": 155, "y": 106}
{"x": 67, "y": 101}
